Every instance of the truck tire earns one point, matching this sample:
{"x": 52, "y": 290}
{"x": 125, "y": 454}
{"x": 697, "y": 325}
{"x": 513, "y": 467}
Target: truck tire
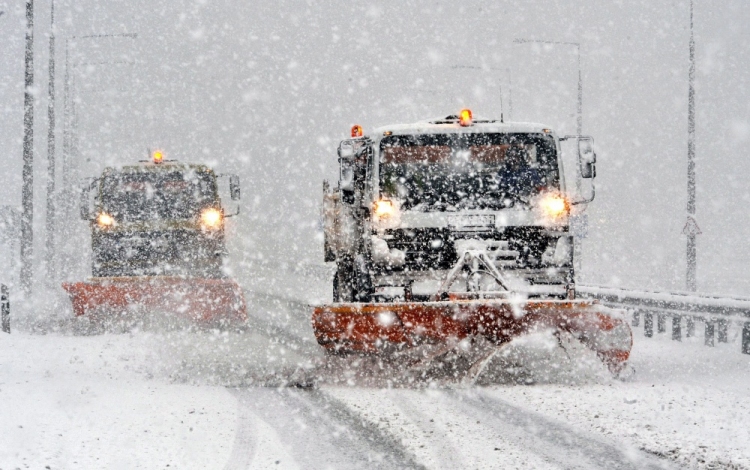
{"x": 328, "y": 253}
{"x": 363, "y": 279}
{"x": 352, "y": 282}
{"x": 344, "y": 281}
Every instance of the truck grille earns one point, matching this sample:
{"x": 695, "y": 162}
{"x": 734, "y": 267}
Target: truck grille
{"x": 152, "y": 253}
{"x": 515, "y": 247}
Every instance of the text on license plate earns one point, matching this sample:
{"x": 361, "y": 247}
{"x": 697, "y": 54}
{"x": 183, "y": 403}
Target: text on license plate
{"x": 471, "y": 222}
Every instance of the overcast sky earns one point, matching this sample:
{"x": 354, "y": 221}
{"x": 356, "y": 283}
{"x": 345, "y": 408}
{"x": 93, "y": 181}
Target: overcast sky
{"x": 266, "y": 90}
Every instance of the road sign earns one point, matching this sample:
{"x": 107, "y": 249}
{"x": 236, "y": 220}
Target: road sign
{"x": 691, "y": 227}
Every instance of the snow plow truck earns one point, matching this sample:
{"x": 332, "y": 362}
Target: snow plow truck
{"x": 453, "y": 231}
{"x": 158, "y": 243}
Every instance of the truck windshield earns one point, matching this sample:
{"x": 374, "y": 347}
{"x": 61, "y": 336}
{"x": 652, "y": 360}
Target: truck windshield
{"x": 448, "y": 172}
{"x": 157, "y": 195}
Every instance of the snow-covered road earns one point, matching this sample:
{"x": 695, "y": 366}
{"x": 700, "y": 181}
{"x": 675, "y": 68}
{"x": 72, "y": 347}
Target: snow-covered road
{"x": 222, "y": 400}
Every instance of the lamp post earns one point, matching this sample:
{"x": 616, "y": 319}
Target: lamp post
{"x": 578, "y": 238}
{"x": 63, "y": 254}
{"x": 27, "y": 191}
{"x": 51, "y": 202}
{"x": 691, "y": 226}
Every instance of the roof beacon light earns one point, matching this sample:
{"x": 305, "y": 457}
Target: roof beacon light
{"x": 357, "y": 131}
{"x": 157, "y": 156}
{"x": 465, "y": 118}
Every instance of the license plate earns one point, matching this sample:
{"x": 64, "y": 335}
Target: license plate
{"x": 471, "y": 222}
{"x": 133, "y": 242}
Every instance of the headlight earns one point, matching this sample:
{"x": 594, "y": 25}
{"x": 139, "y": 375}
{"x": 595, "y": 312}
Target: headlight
{"x": 554, "y": 205}
{"x": 384, "y": 209}
{"x": 105, "y": 220}
{"x": 211, "y": 218}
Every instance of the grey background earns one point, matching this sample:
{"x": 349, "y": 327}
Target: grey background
{"x": 267, "y": 88}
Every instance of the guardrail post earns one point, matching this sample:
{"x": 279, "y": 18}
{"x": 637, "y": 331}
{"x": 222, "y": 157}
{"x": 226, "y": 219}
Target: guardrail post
{"x": 4, "y": 308}
{"x": 648, "y": 324}
{"x": 690, "y": 323}
{"x": 746, "y": 338}
{"x": 636, "y": 317}
{"x": 676, "y": 328}
{"x": 661, "y": 323}
{"x": 709, "y": 336}
{"x": 722, "y": 335}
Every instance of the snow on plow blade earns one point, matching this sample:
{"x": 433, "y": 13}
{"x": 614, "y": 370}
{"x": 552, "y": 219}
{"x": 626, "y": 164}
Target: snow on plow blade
{"x": 200, "y": 300}
{"x": 376, "y": 327}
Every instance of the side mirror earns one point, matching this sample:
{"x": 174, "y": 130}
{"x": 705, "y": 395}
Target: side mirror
{"x": 234, "y": 187}
{"x": 346, "y": 176}
{"x": 84, "y": 204}
{"x": 586, "y": 157}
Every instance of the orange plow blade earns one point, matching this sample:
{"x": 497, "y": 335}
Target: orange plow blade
{"x": 376, "y": 327}
{"x": 199, "y": 300}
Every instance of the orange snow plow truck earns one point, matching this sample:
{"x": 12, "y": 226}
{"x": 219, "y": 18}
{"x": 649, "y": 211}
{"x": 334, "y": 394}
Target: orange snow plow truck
{"x": 158, "y": 243}
{"x": 454, "y": 231}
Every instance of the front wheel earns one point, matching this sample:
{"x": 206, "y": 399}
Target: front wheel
{"x": 352, "y": 282}
{"x": 344, "y": 281}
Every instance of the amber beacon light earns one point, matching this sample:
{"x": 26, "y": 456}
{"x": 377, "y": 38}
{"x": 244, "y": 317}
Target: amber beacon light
{"x": 157, "y": 156}
{"x": 465, "y": 117}
{"x": 357, "y": 131}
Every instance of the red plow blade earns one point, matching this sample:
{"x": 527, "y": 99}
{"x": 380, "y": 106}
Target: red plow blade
{"x": 378, "y": 327}
{"x": 196, "y": 299}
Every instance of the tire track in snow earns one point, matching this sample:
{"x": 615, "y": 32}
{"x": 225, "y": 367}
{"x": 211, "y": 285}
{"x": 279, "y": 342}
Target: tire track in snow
{"x": 444, "y": 449}
{"x": 318, "y": 432}
{"x": 556, "y": 442}
{"x": 244, "y": 446}
{"x": 550, "y": 440}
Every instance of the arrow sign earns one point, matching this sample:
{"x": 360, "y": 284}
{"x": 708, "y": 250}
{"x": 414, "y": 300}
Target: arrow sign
{"x": 691, "y": 227}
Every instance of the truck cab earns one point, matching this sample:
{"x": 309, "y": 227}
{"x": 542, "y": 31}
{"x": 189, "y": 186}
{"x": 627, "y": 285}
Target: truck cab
{"x": 412, "y": 198}
{"x": 157, "y": 218}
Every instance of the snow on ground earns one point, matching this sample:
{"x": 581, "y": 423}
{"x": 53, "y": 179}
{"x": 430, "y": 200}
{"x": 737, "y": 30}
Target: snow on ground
{"x": 148, "y": 400}
{"x": 688, "y": 402}
{"x": 92, "y": 402}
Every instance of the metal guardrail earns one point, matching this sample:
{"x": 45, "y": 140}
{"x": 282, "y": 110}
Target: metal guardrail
{"x": 4, "y": 308}
{"x": 716, "y": 313}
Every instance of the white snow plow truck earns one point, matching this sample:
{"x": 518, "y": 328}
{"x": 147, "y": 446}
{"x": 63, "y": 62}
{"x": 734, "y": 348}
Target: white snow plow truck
{"x": 158, "y": 242}
{"x": 452, "y": 230}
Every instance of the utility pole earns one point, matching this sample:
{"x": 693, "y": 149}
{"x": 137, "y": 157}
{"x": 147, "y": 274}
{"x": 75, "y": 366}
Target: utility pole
{"x": 27, "y": 192}
{"x": 691, "y": 226}
{"x": 50, "y": 225}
